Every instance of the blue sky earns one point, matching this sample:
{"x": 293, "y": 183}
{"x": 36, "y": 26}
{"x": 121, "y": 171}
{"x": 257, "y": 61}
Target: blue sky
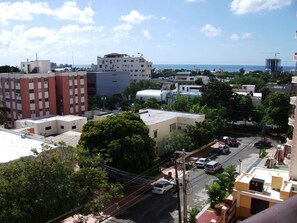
{"x": 233, "y": 32}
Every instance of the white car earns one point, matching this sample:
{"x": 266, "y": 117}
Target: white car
{"x": 162, "y": 186}
{"x": 201, "y": 162}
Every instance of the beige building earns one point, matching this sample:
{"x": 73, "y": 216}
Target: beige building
{"x": 260, "y": 189}
{"x": 161, "y": 123}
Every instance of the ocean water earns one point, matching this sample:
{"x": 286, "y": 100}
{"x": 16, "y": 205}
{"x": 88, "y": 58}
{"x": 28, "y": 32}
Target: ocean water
{"x": 202, "y": 67}
{"x": 227, "y": 68}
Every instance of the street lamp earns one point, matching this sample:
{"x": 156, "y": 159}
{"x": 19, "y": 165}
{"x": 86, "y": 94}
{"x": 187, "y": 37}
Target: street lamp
{"x": 103, "y": 99}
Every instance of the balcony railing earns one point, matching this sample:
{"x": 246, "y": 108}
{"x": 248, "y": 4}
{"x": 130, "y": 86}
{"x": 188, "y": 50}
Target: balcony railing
{"x": 293, "y": 100}
{"x": 291, "y": 121}
{"x": 294, "y": 79}
{"x": 289, "y": 142}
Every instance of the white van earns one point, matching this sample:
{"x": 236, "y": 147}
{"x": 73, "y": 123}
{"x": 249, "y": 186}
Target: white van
{"x": 212, "y": 167}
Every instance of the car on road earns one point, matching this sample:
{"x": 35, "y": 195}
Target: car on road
{"x": 223, "y": 149}
{"x": 213, "y": 167}
{"x": 201, "y": 162}
{"x": 162, "y": 186}
{"x": 263, "y": 144}
{"x": 230, "y": 141}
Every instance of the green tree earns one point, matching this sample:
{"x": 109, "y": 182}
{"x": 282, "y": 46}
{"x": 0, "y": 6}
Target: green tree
{"x": 277, "y": 106}
{"x": 226, "y": 179}
{"x": 151, "y": 103}
{"x": 47, "y": 186}
{"x": 216, "y": 94}
{"x": 199, "y": 81}
{"x": 176, "y": 141}
{"x": 242, "y": 108}
{"x": 122, "y": 140}
{"x": 181, "y": 103}
{"x": 192, "y": 214}
{"x": 200, "y": 134}
{"x": 215, "y": 193}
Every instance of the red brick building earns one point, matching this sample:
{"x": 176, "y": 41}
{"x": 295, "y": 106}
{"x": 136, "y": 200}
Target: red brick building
{"x": 42, "y": 94}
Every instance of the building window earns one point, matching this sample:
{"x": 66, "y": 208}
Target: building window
{"x": 62, "y": 126}
{"x": 46, "y": 99}
{"x": 31, "y": 91}
{"x": 32, "y": 101}
{"x": 48, "y": 128}
{"x": 74, "y": 127}
{"x": 31, "y": 80}
{"x": 155, "y": 133}
{"x": 173, "y": 127}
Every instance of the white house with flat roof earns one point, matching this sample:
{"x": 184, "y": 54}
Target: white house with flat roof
{"x": 161, "y": 123}
{"x": 52, "y": 125}
{"x": 15, "y": 145}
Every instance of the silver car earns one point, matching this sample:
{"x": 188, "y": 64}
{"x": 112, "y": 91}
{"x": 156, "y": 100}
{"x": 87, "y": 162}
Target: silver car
{"x": 201, "y": 162}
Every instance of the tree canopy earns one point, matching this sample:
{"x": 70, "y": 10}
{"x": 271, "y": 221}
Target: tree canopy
{"x": 47, "y": 186}
{"x": 122, "y": 140}
{"x": 276, "y": 109}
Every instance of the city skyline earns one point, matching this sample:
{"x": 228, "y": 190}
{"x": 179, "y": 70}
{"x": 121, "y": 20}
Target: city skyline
{"x": 239, "y": 32}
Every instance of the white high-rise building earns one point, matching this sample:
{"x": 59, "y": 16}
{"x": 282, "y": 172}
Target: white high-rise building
{"x": 139, "y": 68}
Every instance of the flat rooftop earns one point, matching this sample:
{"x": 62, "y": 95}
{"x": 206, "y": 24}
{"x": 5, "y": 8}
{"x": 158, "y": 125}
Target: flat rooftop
{"x": 67, "y": 118}
{"x": 13, "y": 146}
{"x": 71, "y": 138}
{"x": 152, "y": 116}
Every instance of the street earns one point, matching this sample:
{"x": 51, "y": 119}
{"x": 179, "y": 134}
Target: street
{"x": 163, "y": 208}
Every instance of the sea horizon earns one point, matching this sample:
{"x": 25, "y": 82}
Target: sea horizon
{"x": 217, "y": 67}
{"x": 211, "y": 67}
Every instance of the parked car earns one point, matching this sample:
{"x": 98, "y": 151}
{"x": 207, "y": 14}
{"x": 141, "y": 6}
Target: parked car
{"x": 201, "y": 162}
{"x": 162, "y": 186}
{"x": 223, "y": 149}
{"x": 212, "y": 167}
{"x": 262, "y": 145}
{"x": 230, "y": 141}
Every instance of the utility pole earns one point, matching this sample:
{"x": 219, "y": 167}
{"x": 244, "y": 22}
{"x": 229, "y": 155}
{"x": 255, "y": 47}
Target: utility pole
{"x": 177, "y": 190}
{"x": 185, "y": 188}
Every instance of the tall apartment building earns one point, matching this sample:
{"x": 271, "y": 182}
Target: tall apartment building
{"x": 139, "y": 68}
{"x": 29, "y": 95}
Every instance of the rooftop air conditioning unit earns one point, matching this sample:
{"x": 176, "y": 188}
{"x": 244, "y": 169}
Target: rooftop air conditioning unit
{"x": 257, "y": 184}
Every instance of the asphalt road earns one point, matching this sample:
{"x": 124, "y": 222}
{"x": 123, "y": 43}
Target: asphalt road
{"x": 152, "y": 208}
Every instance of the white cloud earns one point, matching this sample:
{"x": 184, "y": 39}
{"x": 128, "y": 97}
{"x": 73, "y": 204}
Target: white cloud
{"x": 195, "y": 0}
{"x": 251, "y": 6}
{"x": 135, "y": 17}
{"x": 70, "y": 11}
{"x": 76, "y": 28}
{"x": 246, "y": 35}
{"x": 146, "y": 34}
{"x": 234, "y": 36}
{"x": 122, "y": 30}
{"x": 237, "y": 37}
{"x": 210, "y": 31}
{"x": 25, "y": 11}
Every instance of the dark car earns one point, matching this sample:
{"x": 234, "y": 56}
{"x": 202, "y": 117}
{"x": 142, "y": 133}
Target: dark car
{"x": 223, "y": 149}
{"x": 263, "y": 145}
{"x": 230, "y": 141}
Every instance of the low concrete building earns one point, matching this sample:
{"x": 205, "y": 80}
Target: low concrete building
{"x": 52, "y": 125}
{"x": 161, "y": 123}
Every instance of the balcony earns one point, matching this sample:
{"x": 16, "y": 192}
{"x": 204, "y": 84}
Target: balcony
{"x": 291, "y": 121}
{"x": 293, "y": 100}
{"x": 294, "y": 79}
{"x": 289, "y": 142}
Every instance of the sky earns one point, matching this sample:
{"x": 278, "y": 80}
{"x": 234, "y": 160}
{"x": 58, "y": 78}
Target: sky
{"x": 227, "y": 32}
